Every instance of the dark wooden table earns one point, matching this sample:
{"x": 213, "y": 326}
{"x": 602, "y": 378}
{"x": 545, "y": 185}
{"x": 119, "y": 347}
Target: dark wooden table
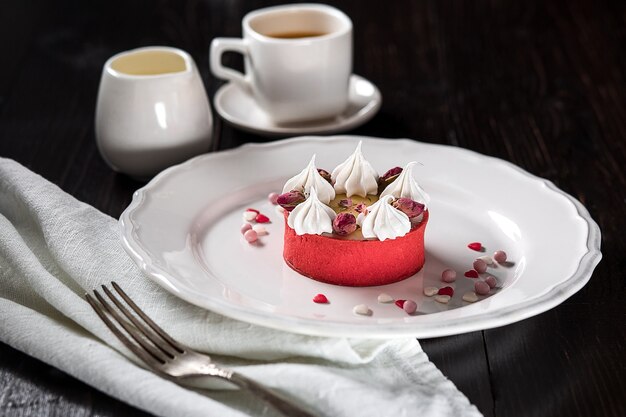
{"x": 539, "y": 83}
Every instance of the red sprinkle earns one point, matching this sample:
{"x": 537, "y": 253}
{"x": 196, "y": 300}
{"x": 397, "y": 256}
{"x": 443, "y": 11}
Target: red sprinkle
{"x": 253, "y": 210}
{"x": 400, "y": 303}
{"x": 477, "y": 246}
{"x": 471, "y": 273}
{"x": 446, "y": 291}
{"x": 320, "y": 299}
{"x": 262, "y": 218}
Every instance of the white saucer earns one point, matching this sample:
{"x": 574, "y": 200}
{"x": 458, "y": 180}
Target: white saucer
{"x": 240, "y": 109}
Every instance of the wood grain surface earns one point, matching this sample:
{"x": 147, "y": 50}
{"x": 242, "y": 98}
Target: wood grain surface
{"x": 539, "y": 83}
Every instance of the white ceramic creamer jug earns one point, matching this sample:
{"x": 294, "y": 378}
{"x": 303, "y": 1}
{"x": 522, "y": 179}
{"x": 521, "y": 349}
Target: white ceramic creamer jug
{"x": 152, "y": 111}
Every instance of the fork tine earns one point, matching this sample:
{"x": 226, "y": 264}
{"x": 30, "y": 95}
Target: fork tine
{"x": 147, "y": 319}
{"x": 132, "y": 331}
{"x": 148, "y": 333}
{"x": 148, "y": 359}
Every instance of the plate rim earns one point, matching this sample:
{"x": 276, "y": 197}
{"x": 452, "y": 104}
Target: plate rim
{"x": 481, "y": 321}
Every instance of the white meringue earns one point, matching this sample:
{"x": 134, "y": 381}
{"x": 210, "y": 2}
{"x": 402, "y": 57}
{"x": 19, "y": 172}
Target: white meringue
{"x": 311, "y": 178}
{"x": 355, "y": 176}
{"x": 311, "y": 217}
{"x": 405, "y": 186}
{"x": 383, "y": 221}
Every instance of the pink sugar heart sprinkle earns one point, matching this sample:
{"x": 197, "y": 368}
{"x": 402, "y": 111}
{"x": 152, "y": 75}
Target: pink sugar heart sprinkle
{"x": 262, "y": 218}
{"x": 320, "y": 299}
{"x": 471, "y": 273}
{"x": 446, "y": 291}
{"x": 477, "y": 246}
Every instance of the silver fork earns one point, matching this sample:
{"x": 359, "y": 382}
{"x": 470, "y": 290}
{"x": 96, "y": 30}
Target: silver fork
{"x": 169, "y": 358}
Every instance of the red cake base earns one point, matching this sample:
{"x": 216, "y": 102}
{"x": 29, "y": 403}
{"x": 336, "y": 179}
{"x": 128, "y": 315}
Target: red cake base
{"x": 355, "y": 263}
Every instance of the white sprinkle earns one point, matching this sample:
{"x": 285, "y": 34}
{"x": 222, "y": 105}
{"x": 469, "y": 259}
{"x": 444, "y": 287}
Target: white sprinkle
{"x": 279, "y": 209}
{"x": 430, "y": 291}
{"x": 249, "y": 216}
{"x": 470, "y": 297}
{"x": 362, "y": 309}
{"x": 443, "y": 299}
{"x": 260, "y": 229}
{"x": 487, "y": 259}
{"x": 385, "y": 298}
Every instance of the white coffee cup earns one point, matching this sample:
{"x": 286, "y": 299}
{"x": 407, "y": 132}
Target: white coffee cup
{"x": 152, "y": 111}
{"x": 293, "y": 77}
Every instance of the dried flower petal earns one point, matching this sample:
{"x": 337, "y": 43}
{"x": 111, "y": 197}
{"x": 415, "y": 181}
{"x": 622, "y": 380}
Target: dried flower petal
{"x": 409, "y": 207}
{"x": 390, "y": 175}
{"x": 345, "y": 203}
{"x": 361, "y": 208}
{"x": 290, "y": 200}
{"x": 344, "y": 224}
{"x": 324, "y": 174}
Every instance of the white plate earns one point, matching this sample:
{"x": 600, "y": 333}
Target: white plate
{"x": 182, "y": 229}
{"x": 241, "y": 110}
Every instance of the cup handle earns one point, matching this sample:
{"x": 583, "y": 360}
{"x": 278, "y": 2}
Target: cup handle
{"x": 218, "y": 47}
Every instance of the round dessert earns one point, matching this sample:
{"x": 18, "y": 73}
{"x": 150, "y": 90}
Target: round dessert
{"x": 352, "y": 227}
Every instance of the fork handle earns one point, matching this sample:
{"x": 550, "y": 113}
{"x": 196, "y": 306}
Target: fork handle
{"x": 285, "y": 407}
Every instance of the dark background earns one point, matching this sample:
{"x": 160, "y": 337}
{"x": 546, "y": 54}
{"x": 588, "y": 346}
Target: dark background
{"x": 539, "y": 83}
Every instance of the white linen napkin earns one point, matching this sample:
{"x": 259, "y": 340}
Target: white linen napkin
{"x": 54, "y": 249}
